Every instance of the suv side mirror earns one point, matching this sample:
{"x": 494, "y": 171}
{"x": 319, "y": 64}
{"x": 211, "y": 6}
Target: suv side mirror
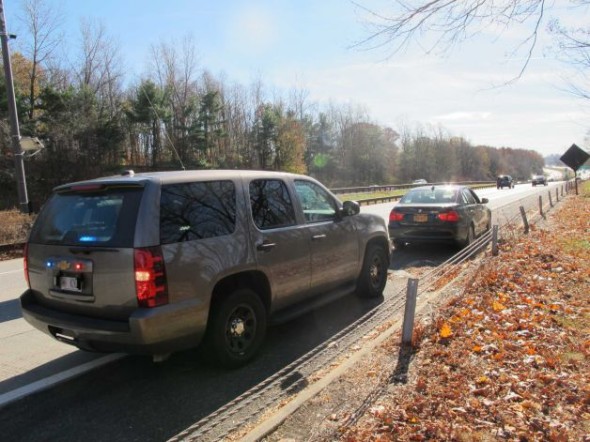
{"x": 350, "y": 208}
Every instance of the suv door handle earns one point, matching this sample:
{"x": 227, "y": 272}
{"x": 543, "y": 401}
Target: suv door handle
{"x": 265, "y": 246}
{"x": 317, "y": 237}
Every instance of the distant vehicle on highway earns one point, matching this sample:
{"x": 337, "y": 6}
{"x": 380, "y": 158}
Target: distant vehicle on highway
{"x": 420, "y": 181}
{"x": 158, "y": 262}
{"x": 504, "y": 181}
{"x": 450, "y": 213}
{"x": 539, "y": 180}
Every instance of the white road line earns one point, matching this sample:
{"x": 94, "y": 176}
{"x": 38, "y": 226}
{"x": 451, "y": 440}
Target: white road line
{"x": 11, "y": 271}
{"x": 50, "y": 381}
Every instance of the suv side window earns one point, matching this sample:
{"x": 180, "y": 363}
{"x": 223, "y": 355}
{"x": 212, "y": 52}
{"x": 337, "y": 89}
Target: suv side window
{"x": 190, "y": 211}
{"x": 271, "y": 204}
{"x": 317, "y": 204}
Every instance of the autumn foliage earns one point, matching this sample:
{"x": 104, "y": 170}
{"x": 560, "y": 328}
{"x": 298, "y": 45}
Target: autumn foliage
{"x": 508, "y": 359}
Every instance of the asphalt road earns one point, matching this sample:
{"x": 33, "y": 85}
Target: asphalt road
{"x": 134, "y": 399}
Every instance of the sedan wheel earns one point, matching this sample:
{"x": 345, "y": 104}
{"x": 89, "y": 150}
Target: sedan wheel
{"x": 469, "y": 238}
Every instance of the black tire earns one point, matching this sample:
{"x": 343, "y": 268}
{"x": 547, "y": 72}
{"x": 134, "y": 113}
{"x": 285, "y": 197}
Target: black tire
{"x": 236, "y": 329}
{"x": 469, "y": 238}
{"x": 373, "y": 276}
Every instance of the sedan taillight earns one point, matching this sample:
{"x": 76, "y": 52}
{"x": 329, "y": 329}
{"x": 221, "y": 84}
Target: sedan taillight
{"x": 150, "y": 277}
{"x": 395, "y": 216}
{"x": 449, "y": 217}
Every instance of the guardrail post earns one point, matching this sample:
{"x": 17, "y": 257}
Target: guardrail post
{"x": 409, "y": 312}
{"x": 550, "y": 200}
{"x": 495, "y": 240}
{"x": 524, "y": 220}
{"x": 562, "y": 190}
{"x": 556, "y": 195}
{"x": 541, "y": 205}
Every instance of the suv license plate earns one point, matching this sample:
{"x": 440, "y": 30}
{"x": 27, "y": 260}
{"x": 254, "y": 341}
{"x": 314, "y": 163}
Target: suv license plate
{"x": 70, "y": 284}
{"x": 421, "y": 218}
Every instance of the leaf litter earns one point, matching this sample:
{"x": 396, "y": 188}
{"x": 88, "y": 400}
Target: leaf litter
{"x": 508, "y": 359}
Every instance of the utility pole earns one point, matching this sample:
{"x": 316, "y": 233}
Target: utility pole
{"x": 17, "y": 151}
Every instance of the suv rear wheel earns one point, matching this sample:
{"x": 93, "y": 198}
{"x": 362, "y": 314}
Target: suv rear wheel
{"x": 373, "y": 276}
{"x": 237, "y": 328}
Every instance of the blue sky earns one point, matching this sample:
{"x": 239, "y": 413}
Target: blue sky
{"x": 307, "y": 44}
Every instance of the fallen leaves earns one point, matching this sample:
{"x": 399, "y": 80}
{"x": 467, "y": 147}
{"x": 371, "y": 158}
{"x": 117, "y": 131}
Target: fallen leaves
{"x": 509, "y": 359}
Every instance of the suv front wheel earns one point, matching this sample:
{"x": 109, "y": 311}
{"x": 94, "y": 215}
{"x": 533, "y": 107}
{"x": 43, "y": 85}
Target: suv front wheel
{"x": 237, "y": 328}
{"x": 373, "y": 276}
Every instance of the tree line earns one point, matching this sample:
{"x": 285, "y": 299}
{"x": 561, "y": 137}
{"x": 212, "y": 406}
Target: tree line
{"x": 94, "y": 122}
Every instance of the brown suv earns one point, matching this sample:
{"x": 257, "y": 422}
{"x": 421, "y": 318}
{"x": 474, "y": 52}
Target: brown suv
{"x": 158, "y": 262}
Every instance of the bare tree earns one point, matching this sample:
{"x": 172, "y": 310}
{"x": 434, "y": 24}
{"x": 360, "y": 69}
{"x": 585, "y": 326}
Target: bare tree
{"x": 442, "y": 24}
{"x": 573, "y": 46}
{"x": 42, "y": 22}
{"x": 100, "y": 68}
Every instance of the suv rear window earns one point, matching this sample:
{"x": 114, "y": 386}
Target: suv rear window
{"x": 104, "y": 217}
{"x": 190, "y": 211}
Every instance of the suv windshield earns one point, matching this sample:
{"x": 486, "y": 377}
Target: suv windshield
{"x": 105, "y": 217}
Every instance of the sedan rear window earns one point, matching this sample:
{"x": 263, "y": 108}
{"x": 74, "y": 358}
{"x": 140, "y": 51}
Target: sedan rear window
{"x": 104, "y": 216}
{"x": 429, "y": 195}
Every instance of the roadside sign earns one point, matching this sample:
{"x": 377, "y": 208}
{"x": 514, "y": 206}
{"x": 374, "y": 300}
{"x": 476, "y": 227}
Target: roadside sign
{"x": 575, "y": 157}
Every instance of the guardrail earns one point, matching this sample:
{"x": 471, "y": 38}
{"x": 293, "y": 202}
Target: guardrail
{"x": 386, "y": 199}
{"x": 390, "y": 187}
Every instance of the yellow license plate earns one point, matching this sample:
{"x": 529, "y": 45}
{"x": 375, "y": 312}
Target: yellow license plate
{"x": 421, "y": 218}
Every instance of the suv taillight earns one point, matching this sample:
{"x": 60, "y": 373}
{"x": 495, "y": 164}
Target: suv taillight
{"x": 26, "y": 263}
{"x": 150, "y": 277}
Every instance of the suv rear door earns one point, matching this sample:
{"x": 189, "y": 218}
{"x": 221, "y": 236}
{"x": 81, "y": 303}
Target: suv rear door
{"x": 80, "y": 252}
{"x": 282, "y": 245}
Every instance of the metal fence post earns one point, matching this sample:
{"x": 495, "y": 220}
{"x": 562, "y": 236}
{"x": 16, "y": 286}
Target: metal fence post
{"x": 409, "y": 312}
{"x": 495, "y": 240}
{"x": 524, "y": 220}
{"x": 556, "y": 195}
{"x": 550, "y": 200}
{"x": 540, "y": 205}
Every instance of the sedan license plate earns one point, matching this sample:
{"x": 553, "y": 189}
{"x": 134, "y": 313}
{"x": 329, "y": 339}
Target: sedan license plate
{"x": 421, "y": 218}
{"x": 70, "y": 284}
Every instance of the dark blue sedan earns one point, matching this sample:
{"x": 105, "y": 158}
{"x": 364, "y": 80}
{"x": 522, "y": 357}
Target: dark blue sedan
{"x": 449, "y": 213}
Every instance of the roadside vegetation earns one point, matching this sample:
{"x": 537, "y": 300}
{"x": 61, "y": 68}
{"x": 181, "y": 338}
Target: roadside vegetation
{"x": 14, "y": 226}
{"x": 509, "y": 359}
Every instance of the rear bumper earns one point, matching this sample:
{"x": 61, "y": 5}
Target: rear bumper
{"x": 441, "y": 234}
{"x": 147, "y": 331}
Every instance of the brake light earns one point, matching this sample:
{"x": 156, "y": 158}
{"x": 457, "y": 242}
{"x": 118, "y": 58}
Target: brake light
{"x": 395, "y": 216}
{"x": 150, "y": 277}
{"x": 449, "y": 217}
{"x": 26, "y": 264}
